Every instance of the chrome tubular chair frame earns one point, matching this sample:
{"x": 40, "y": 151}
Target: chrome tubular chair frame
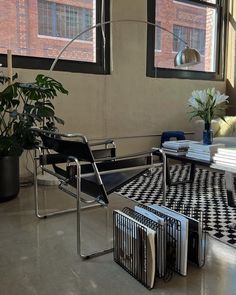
{"x": 98, "y": 169}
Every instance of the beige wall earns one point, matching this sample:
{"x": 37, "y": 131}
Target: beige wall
{"x": 125, "y": 103}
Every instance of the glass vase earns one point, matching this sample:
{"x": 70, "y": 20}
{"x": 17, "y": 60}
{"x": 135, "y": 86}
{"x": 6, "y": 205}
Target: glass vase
{"x": 207, "y": 134}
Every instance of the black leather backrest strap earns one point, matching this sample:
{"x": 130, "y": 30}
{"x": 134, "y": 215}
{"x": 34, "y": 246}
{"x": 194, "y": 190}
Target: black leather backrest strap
{"x": 77, "y": 149}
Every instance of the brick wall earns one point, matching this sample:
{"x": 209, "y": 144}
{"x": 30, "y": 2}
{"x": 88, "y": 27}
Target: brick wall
{"x": 19, "y": 31}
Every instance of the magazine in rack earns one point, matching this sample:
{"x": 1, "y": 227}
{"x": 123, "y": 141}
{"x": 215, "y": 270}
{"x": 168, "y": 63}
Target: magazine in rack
{"x": 197, "y": 237}
{"x": 181, "y": 236}
{"x": 161, "y": 242}
{"x": 135, "y": 247}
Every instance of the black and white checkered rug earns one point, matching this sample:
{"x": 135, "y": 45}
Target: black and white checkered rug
{"x": 207, "y": 193}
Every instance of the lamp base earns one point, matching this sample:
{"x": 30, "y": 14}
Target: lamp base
{"x": 47, "y": 179}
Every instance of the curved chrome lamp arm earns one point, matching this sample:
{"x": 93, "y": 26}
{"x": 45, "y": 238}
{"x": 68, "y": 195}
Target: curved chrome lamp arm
{"x": 194, "y": 54}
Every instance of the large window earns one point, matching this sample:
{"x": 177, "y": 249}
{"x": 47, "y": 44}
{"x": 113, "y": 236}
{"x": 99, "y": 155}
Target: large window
{"x": 39, "y": 29}
{"x": 201, "y": 24}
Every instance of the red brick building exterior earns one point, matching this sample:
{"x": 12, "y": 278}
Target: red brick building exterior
{"x": 20, "y": 31}
{"x": 30, "y": 28}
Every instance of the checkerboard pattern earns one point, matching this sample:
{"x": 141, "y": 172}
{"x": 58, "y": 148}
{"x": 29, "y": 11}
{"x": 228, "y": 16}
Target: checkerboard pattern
{"x": 207, "y": 193}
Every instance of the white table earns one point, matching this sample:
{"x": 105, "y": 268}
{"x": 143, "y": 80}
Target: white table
{"x": 230, "y": 173}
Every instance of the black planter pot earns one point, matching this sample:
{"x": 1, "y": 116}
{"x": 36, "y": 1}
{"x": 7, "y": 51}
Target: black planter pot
{"x": 9, "y": 178}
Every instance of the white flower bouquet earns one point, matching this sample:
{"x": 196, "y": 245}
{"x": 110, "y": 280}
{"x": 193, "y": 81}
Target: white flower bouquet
{"x": 208, "y": 104}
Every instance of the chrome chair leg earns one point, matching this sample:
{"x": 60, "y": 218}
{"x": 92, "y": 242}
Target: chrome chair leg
{"x": 36, "y": 195}
{"x": 79, "y": 209}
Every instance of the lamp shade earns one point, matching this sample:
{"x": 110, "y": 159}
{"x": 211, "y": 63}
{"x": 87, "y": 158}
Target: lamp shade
{"x": 187, "y": 57}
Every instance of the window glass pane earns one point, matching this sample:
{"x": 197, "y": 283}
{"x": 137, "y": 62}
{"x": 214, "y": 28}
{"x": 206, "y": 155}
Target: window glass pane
{"x": 158, "y": 36}
{"x": 41, "y": 28}
{"x": 195, "y": 24}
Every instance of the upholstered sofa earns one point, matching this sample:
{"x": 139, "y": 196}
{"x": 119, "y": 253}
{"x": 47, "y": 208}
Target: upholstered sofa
{"x": 223, "y": 132}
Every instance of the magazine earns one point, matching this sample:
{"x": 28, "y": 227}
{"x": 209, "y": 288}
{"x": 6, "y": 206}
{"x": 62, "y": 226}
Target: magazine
{"x": 196, "y": 239}
{"x": 182, "y": 237}
{"x": 161, "y": 241}
{"x": 139, "y": 238}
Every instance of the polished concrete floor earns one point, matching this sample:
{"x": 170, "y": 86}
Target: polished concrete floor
{"x": 38, "y": 257}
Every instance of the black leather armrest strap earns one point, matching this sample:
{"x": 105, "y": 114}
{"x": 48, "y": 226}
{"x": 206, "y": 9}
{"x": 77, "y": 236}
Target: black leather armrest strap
{"x": 50, "y": 159}
{"x": 101, "y": 142}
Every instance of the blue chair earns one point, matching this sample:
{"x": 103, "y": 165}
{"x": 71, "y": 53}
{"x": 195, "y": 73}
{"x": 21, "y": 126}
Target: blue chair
{"x": 167, "y": 135}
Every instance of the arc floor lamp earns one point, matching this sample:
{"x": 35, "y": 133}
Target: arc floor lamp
{"x": 184, "y": 58}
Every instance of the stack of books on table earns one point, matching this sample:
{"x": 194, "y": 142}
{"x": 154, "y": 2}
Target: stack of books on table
{"x": 176, "y": 147}
{"x": 203, "y": 152}
{"x": 225, "y": 158}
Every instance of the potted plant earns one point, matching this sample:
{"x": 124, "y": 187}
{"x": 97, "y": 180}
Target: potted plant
{"x": 22, "y": 106}
{"x": 208, "y": 104}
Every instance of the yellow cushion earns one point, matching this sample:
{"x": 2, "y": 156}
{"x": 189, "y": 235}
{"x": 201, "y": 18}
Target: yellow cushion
{"x": 227, "y": 128}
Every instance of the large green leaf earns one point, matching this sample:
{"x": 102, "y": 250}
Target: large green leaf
{"x": 24, "y": 105}
{"x": 45, "y": 112}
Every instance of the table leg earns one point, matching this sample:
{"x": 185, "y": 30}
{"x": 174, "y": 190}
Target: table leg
{"x": 192, "y": 172}
{"x": 164, "y": 180}
{"x": 229, "y": 183}
{"x": 168, "y": 178}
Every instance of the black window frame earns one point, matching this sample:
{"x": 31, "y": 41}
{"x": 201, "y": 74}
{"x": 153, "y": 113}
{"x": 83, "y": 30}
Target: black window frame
{"x": 219, "y": 74}
{"x": 101, "y": 66}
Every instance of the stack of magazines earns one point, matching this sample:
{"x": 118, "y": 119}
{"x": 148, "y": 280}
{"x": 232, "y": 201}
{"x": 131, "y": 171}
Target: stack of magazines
{"x": 225, "y": 158}
{"x": 153, "y": 241}
{"x": 203, "y": 152}
{"x": 176, "y": 147}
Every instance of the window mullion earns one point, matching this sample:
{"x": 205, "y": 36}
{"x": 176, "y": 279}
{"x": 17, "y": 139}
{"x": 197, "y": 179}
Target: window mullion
{"x": 54, "y": 18}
